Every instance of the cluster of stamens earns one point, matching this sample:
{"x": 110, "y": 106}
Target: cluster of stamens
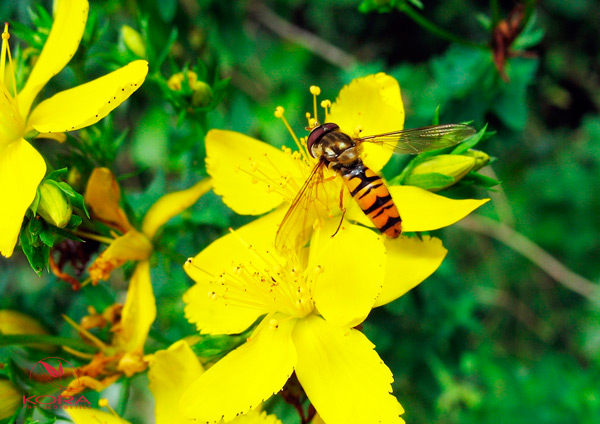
{"x": 312, "y": 121}
{"x": 266, "y": 283}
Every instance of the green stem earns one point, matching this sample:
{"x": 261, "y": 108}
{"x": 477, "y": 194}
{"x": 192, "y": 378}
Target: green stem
{"x": 29, "y": 339}
{"x": 437, "y": 30}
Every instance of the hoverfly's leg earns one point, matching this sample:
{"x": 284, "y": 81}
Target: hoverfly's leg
{"x": 343, "y": 209}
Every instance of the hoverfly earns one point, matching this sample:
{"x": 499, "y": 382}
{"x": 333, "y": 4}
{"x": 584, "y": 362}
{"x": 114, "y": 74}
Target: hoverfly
{"x": 341, "y": 153}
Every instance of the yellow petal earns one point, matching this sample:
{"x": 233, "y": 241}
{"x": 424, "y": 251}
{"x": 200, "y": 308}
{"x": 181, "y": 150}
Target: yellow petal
{"x": 60, "y": 137}
{"x": 245, "y": 377}
{"x": 66, "y": 32}
{"x": 343, "y": 376}
{"x": 374, "y": 104}
{"x": 171, "y": 372}
{"x": 410, "y": 261}
{"x": 351, "y": 272}
{"x": 422, "y": 210}
{"x": 252, "y": 177}
{"x": 216, "y": 273}
{"x": 133, "y": 246}
{"x": 89, "y": 416}
{"x": 103, "y": 194}
{"x": 139, "y": 311}
{"x": 86, "y": 104}
{"x": 21, "y": 170}
{"x": 172, "y": 204}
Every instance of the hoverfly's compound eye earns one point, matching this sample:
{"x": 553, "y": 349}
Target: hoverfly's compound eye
{"x": 317, "y": 134}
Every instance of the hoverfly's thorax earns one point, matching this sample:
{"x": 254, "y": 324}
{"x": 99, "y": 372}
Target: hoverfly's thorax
{"x": 335, "y": 147}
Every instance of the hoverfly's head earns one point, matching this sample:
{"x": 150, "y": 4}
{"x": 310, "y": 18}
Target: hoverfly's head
{"x": 316, "y": 135}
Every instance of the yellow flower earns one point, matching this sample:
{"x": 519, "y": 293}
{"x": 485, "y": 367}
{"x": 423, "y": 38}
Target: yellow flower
{"x": 21, "y": 166}
{"x": 173, "y": 370}
{"x": 170, "y": 372}
{"x": 103, "y": 194}
{"x": 310, "y": 310}
{"x": 139, "y": 311}
{"x": 254, "y": 178}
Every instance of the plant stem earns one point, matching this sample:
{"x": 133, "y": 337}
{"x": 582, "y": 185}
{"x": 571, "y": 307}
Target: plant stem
{"x": 548, "y": 263}
{"x": 437, "y": 30}
{"x": 29, "y": 339}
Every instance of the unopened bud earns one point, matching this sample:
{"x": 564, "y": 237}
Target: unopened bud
{"x": 481, "y": 158}
{"x": 439, "y": 172}
{"x": 202, "y": 94}
{"x": 175, "y": 83}
{"x": 54, "y": 206}
{"x": 10, "y": 398}
{"x": 133, "y": 41}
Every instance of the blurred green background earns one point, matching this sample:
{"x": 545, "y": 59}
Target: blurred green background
{"x": 508, "y": 329}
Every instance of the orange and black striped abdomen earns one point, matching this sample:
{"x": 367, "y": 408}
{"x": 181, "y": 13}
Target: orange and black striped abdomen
{"x": 373, "y": 197}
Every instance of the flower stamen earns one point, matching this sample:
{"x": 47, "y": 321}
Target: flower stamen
{"x": 279, "y": 110}
{"x": 5, "y": 51}
{"x": 326, "y": 104}
{"x": 315, "y": 91}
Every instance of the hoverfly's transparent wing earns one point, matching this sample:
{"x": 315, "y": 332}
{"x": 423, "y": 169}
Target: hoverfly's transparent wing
{"x": 297, "y": 224}
{"x": 418, "y": 140}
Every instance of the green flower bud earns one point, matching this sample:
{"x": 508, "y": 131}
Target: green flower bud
{"x": 481, "y": 158}
{"x": 133, "y": 41}
{"x": 10, "y": 399}
{"x": 202, "y": 94}
{"x": 54, "y": 206}
{"x": 439, "y": 172}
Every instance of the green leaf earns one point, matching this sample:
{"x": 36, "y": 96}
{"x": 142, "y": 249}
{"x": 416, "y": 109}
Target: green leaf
{"x": 470, "y": 142}
{"x": 480, "y": 180}
{"x": 76, "y": 199}
{"x": 35, "y": 250}
{"x": 59, "y": 173}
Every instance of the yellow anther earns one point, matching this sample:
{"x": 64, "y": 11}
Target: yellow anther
{"x": 357, "y": 131}
{"x": 279, "y": 112}
{"x": 315, "y": 91}
{"x": 308, "y": 118}
{"x": 254, "y": 180}
{"x": 5, "y": 34}
{"x": 312, "y": 122}
{"x": 273, "y": 324}
{"x": 253, "y": 166}
{"x": 212, "y": 295}
{"x": 103, "y": 403}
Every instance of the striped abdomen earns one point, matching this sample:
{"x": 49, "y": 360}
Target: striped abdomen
{"x": 373, "y": 197}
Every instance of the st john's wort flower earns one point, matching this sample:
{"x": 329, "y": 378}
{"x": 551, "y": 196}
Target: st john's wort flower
{"x": 21, "y": 166}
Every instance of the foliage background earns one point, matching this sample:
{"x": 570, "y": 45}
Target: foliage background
{"x": 501, "y": 333}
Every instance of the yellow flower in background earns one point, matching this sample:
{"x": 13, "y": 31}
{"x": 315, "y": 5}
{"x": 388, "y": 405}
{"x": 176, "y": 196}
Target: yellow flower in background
{"x": 21, "y": 166}
{"x": 254, "y": 177}
{"x": 171, "y": 372}
{"x": 126, "y": 352}
{"x": 103, "y": 195}
{"x": 310, "y": 310}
